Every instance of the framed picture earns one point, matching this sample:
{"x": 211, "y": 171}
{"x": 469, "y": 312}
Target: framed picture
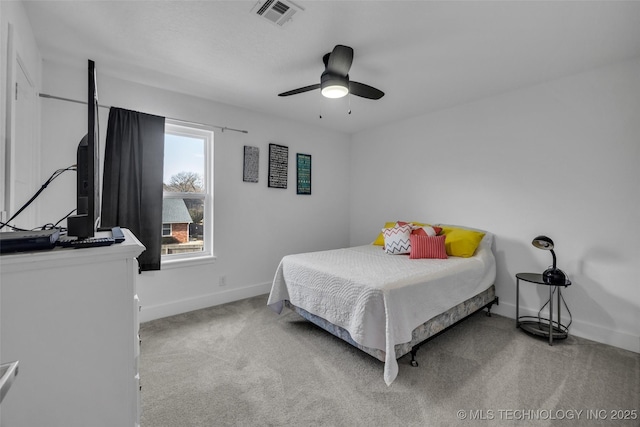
{"x": 303, "y": 176}
{"x": 278, "y": 166}
{"x": 251, "y": 164}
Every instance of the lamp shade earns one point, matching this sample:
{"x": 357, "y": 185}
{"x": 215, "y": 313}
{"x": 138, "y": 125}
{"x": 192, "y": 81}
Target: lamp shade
{"x": 543, "y": 242}
{"x": 552, "y": 275}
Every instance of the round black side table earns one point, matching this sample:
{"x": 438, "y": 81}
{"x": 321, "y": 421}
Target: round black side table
{"x": 552, "y": 329}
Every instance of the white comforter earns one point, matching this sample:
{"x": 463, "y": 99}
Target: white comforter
{"x": 380, "y": 298}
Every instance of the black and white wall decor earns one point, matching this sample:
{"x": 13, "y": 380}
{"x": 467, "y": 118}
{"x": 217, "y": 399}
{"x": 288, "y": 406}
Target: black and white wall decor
{"x": 251, "y": 164}
{"x": 278, "y": 165}
{"x": 303, "y": 175}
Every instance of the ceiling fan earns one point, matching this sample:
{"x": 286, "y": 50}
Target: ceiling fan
{"x": 334, "y": 81}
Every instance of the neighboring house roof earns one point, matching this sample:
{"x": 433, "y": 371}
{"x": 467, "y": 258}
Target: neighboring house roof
{"x": 175, "y": 211}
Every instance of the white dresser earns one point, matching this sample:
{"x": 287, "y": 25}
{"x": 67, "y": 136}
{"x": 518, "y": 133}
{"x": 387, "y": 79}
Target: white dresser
{"x": 70, "y": 316}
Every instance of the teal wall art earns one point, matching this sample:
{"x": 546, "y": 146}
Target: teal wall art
{"x": 303, "y": 162}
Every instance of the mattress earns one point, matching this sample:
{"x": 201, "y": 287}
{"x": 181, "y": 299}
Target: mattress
{"x": 380, "y": 298}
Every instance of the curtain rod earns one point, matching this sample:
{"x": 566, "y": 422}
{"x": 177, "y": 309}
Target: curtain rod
{"x": 223, "y": 128}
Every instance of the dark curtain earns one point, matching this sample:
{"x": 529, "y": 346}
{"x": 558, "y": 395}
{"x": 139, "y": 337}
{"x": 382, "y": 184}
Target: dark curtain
{"x": 132, "y": 183}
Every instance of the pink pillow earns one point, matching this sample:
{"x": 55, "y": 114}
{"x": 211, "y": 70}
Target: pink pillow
{"x": 427, "y": 247}
{"x": 426, "y": 231}
{"x": 421, "y": 229}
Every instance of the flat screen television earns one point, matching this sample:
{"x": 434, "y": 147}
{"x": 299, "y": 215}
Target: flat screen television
{"x": 85, "y": 223}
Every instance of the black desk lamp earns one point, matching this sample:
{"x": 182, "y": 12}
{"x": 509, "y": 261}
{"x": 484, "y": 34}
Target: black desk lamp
{"x": 551, "y": 275}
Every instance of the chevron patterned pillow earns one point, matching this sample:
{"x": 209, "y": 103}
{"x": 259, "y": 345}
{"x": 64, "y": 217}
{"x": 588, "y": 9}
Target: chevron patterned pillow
{"x": 397, "y": 239}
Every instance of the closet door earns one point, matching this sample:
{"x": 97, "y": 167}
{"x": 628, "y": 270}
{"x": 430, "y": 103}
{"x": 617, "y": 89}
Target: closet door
{"x": 22, "y": 150}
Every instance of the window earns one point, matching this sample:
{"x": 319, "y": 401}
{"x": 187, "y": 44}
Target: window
{"x": 187, "y": 205}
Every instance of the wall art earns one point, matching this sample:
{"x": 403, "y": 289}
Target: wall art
{"x": 303, "y": 176}
{"x": 278, "y": 166}
{"x": 251, "y": 164}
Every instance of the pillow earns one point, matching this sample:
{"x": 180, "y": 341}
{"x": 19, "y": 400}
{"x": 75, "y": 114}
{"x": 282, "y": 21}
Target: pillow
{"x": 412, "y": 223}
{"x": 461, "y": 242}
{"x": 427, "y": 247}
{"x": 396, "y": 239}
{"x": 415, "y": 225}
{"x": 426, "y": 231}
{"x": 380, "y": 239}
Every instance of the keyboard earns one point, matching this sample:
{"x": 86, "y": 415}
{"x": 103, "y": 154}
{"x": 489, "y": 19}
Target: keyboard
{"x": 117, "y": 236}
{"x": 88, "y": 243}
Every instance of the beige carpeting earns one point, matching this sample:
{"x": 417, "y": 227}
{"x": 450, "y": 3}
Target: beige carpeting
{"x": 241, "y": 364}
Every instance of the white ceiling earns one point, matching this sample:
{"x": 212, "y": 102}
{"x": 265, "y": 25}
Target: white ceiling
{"x": 425, "y": 56}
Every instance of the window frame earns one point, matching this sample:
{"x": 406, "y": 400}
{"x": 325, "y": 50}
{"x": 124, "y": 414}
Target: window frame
{"x": 193, "y": 130}
{"x": 170, "y": 228}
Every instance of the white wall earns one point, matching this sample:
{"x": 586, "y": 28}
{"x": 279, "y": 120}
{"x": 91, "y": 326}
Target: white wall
{"x": 560, "y": 159}
{"x": 254, "y": 225}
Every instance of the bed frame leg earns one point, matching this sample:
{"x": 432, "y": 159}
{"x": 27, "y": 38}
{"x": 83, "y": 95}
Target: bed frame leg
{"x": 415, "y": 348}
{"x": 496, "y": 301}
{"x": 414, "y": 362}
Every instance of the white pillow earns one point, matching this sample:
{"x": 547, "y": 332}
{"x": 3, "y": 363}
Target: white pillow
{"x": 397, "y": 239}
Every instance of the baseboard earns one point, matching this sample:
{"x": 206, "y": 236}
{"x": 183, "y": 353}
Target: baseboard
{"x": 153, "y": 312}
{"x": 579, "y": 328}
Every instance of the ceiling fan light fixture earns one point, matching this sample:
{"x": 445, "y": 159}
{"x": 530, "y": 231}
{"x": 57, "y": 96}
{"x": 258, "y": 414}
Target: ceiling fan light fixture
{"x": 334, "y": 81}
{"x": 334, "y": 91}
{"x": 333, "y": 86}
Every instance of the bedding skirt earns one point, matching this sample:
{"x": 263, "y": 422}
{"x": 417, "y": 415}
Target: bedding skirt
{"x": 420, "y": 334}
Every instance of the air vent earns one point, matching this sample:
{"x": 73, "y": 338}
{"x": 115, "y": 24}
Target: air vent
{"x": 278, "y": 12}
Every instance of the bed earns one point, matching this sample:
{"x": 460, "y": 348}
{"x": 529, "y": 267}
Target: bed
{"x": 385, "y": 305}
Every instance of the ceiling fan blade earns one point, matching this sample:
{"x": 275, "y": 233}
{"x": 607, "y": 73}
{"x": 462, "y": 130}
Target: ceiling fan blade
{"x": 365, "y": 91}
{"x": 340, "y": 60}
{"x": 300, "y": 90}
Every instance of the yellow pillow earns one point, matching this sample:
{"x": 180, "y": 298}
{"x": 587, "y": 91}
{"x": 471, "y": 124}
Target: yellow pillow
{"x": 380, "y": 239}
{"x": 461, "y": 242}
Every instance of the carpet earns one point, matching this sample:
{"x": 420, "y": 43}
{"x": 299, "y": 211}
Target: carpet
{"x": 241, "y": 364}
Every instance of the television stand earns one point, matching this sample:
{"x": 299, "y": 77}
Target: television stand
{"x": 71, "y": 318}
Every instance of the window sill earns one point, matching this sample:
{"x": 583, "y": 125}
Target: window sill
{"x": 167, "y": 264}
